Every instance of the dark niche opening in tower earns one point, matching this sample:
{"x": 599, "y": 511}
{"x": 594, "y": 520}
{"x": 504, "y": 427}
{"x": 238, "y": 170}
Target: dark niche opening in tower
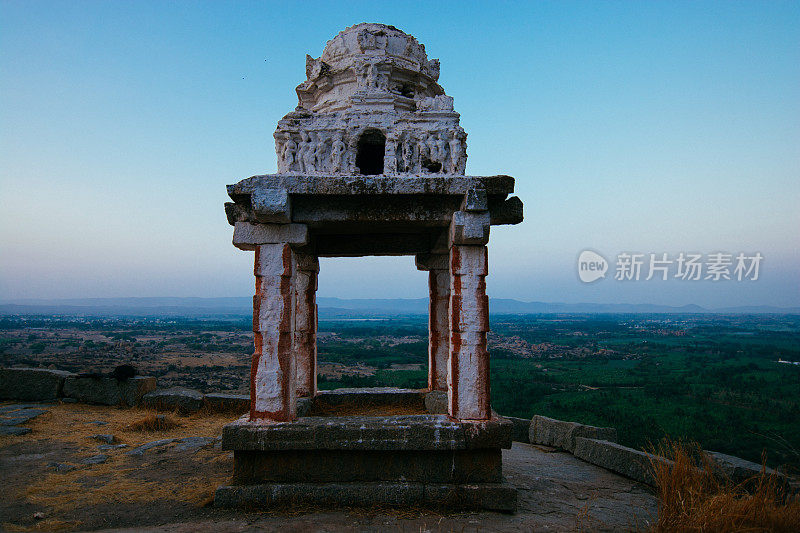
{"x": 371, "y": 146}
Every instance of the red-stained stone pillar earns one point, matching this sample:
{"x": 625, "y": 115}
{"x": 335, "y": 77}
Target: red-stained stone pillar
{"x": 272, "y": 372}
{"x": 438, "y": 328}
{"x": 438, "y": 267}
{"x": 305, "y": 324}
{"x": 468, "y": 379}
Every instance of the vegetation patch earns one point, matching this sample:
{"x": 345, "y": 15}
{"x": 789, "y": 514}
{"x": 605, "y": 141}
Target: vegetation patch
{"x": 692, "y": 498}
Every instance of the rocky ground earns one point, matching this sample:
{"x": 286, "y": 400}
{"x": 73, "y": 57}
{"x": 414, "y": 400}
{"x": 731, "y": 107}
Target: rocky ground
{"x": 84, "y": 468}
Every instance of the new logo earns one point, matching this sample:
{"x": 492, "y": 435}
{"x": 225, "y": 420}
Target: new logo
{"x": 591, "y": 266}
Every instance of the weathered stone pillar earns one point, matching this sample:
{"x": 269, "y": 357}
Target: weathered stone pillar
{"x": 272, "y": 371}
{"x": 273, "y": 379}
{"x": 468, "y": 379}
{"x": 438, "y": 269}
{"x": 305, "y": 325}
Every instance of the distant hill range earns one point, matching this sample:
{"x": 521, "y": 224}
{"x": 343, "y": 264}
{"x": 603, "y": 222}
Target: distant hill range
{"x": 335, "y": 307}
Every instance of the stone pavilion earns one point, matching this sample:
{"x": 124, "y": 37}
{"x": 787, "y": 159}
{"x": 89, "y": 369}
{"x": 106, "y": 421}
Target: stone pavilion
{"x": 371, "y": 162}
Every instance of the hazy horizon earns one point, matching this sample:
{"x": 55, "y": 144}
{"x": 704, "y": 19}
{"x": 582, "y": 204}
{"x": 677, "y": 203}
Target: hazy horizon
{"x": 629, "y": 127}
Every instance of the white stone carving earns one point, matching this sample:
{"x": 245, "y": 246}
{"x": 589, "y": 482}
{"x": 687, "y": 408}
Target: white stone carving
{"x": 372, "y": 77}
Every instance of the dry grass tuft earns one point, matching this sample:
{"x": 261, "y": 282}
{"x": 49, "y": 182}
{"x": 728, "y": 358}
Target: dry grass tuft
{"x": 154, "y": 422}
{"x": 693, "y": 499}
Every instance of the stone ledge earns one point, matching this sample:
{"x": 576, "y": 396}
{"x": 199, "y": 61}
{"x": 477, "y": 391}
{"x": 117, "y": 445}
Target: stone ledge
{"x": 32, "y": 384}
{"x": 219, "y": 402}
{"x": 410, "y": 432}
{"x": 628, "y": 462}
{"x": 741, "y": 470}
{"x": 175, "y": 398}
{"x": 489, "y": 496}
{"x": 107, "y": 390}
{"x": 560, "y": 434}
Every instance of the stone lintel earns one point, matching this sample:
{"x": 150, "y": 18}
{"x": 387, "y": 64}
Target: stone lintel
{"x": 247, "y": 236}
{"x": 372, "y": 185}
{"x": 409, "y": 432}
{"x": 409, "y": 213}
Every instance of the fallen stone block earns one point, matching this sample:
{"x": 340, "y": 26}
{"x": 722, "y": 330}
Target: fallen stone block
{"x": 560, "y": 434}
{"x": 631, "y": 463}
{"x": 12, "y": 421}
{"x": 175, "y": 398}
{"x": 227, "y": 403}
{"x": 107, "y": 438}
{"x": 13, "y": 431}
{"x": 104, "y": 447}
{"x": 14, "y": 418}
{"x": 31, "y": 384}
{"x": 16, "y": 407}
{"x": 108, "y": 390}
{"x": 139, "y": 450}
{"x": 62, "y": 467}
{"x": 521, "y": 430}
{"x": 187, "y": 444}
{"x": 95, "y": 459}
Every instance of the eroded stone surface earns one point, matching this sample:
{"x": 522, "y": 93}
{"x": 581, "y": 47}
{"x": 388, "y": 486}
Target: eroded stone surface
{"x": 631, "y": 463}
{"x": 371, "y": 105}
{"x": 226, "y": 403}
{"x": 175, "y": 398}
{"x": 411, "y": 432}
{"x": 108, "y": 390}
{"x": 31, "y": 384}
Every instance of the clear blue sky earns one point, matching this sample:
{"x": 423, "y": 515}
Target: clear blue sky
{"x": 630, "y": 126}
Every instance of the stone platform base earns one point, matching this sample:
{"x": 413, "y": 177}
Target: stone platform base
{"x": 488, "y": 496}
{"x": 422, "y": 459}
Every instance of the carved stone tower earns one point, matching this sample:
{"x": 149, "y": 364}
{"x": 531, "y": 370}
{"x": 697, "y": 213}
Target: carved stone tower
{"x": 371, "y": 162}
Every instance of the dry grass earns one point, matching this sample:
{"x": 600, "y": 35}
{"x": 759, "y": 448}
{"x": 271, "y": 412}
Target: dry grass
{"x": 693, "y": 499}
{"x": 119, "y": 480}
{"x": 154, "y": 423}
